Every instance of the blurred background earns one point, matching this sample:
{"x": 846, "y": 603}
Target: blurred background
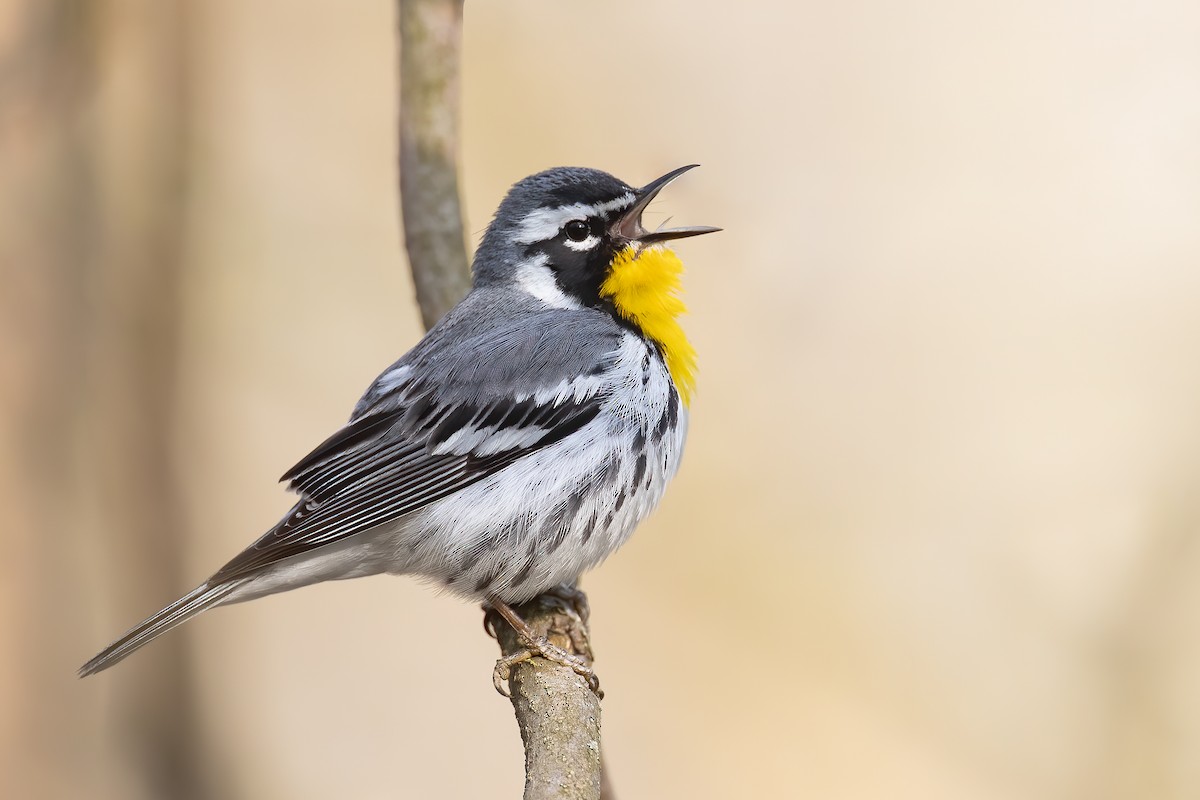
{"x": 937, "y": 534}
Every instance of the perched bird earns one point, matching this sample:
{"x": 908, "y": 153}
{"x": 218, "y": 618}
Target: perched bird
{"x": 523, "y": 438}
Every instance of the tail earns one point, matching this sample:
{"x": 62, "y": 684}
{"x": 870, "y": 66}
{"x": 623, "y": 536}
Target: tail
{"x": 199, "y": 599}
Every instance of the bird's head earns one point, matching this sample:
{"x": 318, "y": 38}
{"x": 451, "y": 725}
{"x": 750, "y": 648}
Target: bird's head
{"x": 563, "y": 235}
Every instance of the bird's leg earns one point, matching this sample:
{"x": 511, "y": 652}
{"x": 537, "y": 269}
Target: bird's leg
{"x": 534, "y": 645}
{"x": 574, "y": 603}
{"x": 570, "y": 594}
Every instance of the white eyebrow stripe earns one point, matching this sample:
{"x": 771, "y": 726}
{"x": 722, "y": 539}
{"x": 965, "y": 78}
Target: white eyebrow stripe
{"x": 545, "y": 223}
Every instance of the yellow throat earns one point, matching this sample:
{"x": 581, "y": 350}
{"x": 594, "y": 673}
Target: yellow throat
{"x": 644, "y": 287}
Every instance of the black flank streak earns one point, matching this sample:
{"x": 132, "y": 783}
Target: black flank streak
{"x": 610, "y": 470}
{"x": 639, "y": 469}
{"x": 523, "y": 575}
{"x": 471, "y": 559}
{"x": 553, "y": 530}
{"x": 669, "y": 417}
{"x": 574, "y": 503}
{"x": 588, "y": 528}
{"x": 527, "y": 568}
{"x": 485, "y": 581}
{"x": 560, "y": 536}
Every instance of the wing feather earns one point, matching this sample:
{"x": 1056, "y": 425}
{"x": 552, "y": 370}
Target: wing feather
{"x": 448, "y": 414}
{"x": 344, "y": 442}
{"x": 388, "y": 464}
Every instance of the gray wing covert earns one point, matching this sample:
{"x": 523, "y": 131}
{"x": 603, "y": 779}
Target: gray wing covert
{"x": 445, "y": 416}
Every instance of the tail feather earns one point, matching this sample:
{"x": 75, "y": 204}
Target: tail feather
{"x": 201, "y": 598}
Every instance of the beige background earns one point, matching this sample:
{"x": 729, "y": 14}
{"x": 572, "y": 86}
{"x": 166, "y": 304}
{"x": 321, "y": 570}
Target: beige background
{"x": 936, "y": 534}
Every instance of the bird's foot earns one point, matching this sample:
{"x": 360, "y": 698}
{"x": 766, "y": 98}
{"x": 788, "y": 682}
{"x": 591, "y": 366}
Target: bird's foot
{"x": 567, "y": 597}
{"x": 550, "y": 652}
{"x": 534, "y": 645}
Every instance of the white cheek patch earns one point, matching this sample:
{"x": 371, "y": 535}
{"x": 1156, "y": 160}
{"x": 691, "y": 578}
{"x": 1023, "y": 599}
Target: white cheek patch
{"x": 543, "y": 224}
{"x": 537, "y": 279}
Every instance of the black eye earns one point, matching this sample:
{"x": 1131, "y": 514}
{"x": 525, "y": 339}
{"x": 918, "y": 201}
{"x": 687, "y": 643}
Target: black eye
{"x": 577, "y": 230}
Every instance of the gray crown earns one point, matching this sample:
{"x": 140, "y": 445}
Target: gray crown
{"x": 499, "y": 251}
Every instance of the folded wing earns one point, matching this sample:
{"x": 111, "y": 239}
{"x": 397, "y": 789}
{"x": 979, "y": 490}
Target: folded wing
{"x": 422, "y": 443}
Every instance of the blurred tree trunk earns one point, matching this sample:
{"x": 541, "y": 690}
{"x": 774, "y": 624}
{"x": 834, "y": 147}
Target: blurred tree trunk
{"x": 94, "y": 100}
{"x": 47, "y": 233}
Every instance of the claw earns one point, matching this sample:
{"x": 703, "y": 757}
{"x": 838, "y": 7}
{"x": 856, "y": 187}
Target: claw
{"x": 503, "y": 670}
{"x": 534, "y": 645}
{"x": 489, "y": 620}
{"x": 551, "y": 652}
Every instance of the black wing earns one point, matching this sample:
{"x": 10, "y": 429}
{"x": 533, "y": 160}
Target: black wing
{"x": 394, "y": 461}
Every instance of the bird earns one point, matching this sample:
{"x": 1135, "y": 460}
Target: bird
{"x": 519, "y": 443}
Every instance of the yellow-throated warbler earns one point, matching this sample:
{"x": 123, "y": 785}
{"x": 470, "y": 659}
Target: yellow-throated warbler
{"x": 523, "y": 438}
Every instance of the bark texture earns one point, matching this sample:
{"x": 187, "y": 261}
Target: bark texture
{"x": 558, "y": 713}
{"x": 430, "y": 38}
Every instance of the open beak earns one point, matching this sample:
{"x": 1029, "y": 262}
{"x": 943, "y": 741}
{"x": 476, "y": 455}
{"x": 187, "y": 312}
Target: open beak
{"x": 629, "y": 226}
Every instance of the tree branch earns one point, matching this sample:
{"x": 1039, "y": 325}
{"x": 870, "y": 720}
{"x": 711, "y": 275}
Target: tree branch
{"x": 557, "y": 712}
{"x": 430, "y": 39}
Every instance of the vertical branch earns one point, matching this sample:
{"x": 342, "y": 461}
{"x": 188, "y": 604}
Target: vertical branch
{"x": 430, "y": 39}
{"x": 557, "y": 712}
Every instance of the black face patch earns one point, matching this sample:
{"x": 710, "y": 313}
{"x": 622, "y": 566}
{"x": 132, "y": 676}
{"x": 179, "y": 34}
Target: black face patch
{"x": 579, "y": 272}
